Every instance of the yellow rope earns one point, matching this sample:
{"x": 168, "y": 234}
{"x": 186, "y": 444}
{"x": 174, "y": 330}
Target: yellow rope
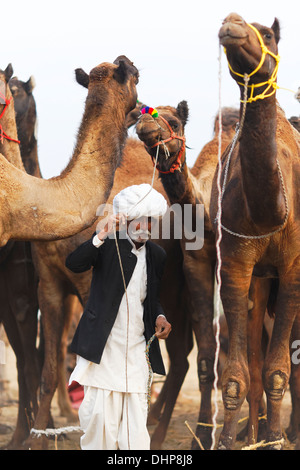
{"x": 271, "y": 83}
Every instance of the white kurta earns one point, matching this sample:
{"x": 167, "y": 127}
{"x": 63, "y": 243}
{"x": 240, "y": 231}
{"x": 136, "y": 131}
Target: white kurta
{"x": 116, "y": 360}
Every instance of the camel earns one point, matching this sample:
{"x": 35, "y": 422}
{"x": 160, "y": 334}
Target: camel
{"x": 185, "y": 186}
{"x": 57, "y": 284}
{"x": 25, "y": 109}
{"x": 20, "y": 307}
{"x": 37, "y": 209}
{"x": 259, "y": 201}
{"x": 64, "y": 287}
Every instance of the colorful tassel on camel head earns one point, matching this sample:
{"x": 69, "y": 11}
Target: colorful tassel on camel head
{"x": 152, "y": 111}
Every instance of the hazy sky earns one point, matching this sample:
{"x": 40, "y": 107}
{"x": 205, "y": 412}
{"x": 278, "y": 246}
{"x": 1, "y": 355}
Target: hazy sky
{"x": 174, "y": 44}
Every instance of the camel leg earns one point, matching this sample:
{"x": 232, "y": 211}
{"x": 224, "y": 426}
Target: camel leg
{"x": 294, "y": 431}
{"x": 199, "y": 274}
{"x": 236, "y": 279}
{"x": 51, "y": 300}
{"x": 28, "y": 379}
{"x": 19, "y": 311}
{"x": 70, "y": 307}
{"x": 258, "y": 297}
{"x": 278, "y": 362}
{"x": 179, "y": 344}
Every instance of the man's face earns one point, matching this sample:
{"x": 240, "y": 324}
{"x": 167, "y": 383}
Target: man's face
{"x": 139, "y": 230}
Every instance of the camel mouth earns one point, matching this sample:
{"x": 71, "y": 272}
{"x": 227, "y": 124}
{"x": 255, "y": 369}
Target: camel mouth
{"x": 146, "y": 135}
{"x": 228, "y": 37}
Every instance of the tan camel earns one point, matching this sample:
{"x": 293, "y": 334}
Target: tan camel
{"x": 37, "y": 209}
{"x": 57, "y": 284}
{"x": 185, "y": 186}
{"x": 23, "y": 289}
{"x": 62, "y": 290}
{"x": 260, "y": 200}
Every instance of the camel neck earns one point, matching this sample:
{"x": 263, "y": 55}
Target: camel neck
{"x": 258, "y": 154}
{"x": 178, "y": 186}
{"x": 28, "y": 144}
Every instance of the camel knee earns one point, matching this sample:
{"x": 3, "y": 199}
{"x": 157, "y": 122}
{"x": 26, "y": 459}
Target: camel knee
{"x": 276, "y": 384}
{"x": 231, "y": 395}
{"x": 205, "y": 371}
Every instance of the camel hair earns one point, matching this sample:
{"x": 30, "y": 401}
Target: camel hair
{"x": 260, "y": 199}
{"x": 188, "y": 187}
{"x": 38, "y": 209}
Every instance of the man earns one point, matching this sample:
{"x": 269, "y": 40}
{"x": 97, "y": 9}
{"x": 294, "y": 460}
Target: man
{"x": 111, "y": 337}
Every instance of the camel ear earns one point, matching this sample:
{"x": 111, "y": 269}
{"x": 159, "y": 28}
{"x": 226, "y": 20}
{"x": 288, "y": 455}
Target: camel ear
{"x": 276, "y": 28}
{"x": 82, "y": 77}
{"x": 183, "y": 111}
{"x": 29, "y": 85}
{"x": 120, "y": 73}
{"x": 8, "y": 72}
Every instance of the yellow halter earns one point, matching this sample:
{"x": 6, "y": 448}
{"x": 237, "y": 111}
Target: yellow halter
{"x": 272, "y": 85}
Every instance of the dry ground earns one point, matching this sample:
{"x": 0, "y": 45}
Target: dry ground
{"x": 178, "y": 437}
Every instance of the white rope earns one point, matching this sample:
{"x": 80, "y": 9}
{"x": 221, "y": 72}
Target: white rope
{"x": 219, "y": 264}
{"x": 55, "y": 432}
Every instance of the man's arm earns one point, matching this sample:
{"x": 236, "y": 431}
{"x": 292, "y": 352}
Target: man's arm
{"x": 85, "y": 256}
{"x": 162, "y": 326}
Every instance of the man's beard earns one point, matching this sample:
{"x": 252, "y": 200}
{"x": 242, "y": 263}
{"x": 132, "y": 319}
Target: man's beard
{"x": 139, "y": 235}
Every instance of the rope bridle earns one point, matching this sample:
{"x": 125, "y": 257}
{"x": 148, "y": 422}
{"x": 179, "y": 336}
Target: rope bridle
{"x": 3, "y": 134}
{"x": 177, "y": 164}
{"x": 271, "y": 83}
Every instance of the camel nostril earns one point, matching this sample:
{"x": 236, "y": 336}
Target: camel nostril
{"x": 234, "y": 18}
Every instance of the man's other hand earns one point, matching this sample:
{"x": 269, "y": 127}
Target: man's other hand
{"x": 162, "y": 328}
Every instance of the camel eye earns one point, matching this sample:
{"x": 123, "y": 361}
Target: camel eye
{"x": 174, "y": 125}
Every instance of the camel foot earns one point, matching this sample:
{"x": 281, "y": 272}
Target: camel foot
{"x": 155, "y": 445}
{"x": 35, "y": 443}
{"x": 204, "y": 436}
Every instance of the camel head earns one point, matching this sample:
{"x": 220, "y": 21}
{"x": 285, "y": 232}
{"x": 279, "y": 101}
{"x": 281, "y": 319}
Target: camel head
{"x": 251, "y": 49}
{"x": 295, "y": 121}
{"x": 165, "y": 134}
{"x": 111, "y": 84}
{"x": 25, "y": 107}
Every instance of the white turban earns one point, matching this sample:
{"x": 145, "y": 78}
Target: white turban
{"x": 140, "y": 201}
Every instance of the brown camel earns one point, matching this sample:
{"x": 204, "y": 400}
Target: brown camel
{"x": 37, "y": 209}
{"x": 62, "y": 290}
{"x": 26, "y": 117}
{"x": 185, "y": 187}
{"x": 19, "y": 310}
{"x": 260, "y": 201}
{"x": 57, "y": 284}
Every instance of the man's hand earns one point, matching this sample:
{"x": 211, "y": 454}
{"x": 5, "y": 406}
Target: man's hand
{"x": 115, "y": 222}
{"x": 162, "y": 327}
